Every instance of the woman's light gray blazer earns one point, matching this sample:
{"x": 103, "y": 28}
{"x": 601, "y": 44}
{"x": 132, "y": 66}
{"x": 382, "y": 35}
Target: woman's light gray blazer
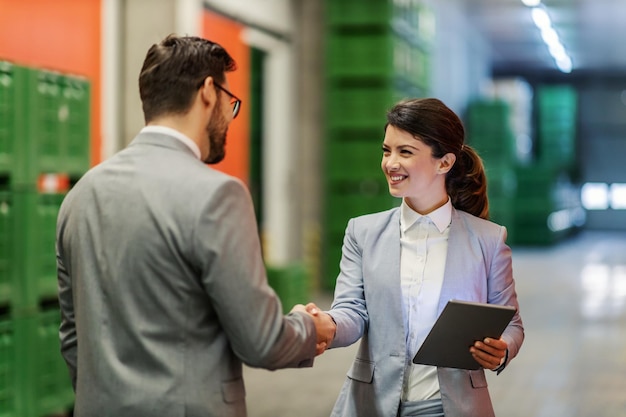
{"x": 368, "y": 305}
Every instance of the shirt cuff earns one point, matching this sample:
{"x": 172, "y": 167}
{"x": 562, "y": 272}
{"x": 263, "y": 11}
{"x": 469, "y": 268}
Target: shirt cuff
{"x": 502, "y": 365}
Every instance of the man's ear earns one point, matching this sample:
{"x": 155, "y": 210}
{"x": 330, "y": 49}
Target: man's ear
{"x": 446, "y": 163}
{"x": 207, "y": 92}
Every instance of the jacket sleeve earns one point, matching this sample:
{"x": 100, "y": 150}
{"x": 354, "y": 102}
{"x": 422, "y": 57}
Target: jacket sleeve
{"x": 501, "y": 287}
{"x": 349, "y": 309}
{"x": 234, "y": 277}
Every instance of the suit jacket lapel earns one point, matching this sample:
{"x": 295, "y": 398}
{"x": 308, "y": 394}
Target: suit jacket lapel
{"x": 392, "y": 266}
{"x": 382, "y": 269}
{"x": 455, "y": 260}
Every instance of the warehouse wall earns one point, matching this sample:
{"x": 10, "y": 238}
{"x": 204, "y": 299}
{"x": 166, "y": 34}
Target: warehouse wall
{"x": 460, "y": 57}
{"x": 139, "y": 33}
{"x": 63, "y": 35}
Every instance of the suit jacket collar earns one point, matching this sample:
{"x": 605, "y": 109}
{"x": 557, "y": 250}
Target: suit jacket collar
{"x": 161, "y": 140}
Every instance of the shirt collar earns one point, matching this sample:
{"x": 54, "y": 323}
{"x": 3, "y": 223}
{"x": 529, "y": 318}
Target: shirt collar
{"x": 175, "y": 133}
{"x": 441, "y": 217}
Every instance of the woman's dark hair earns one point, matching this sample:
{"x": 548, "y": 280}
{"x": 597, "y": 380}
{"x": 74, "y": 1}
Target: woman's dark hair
{"x": 174, "y": 70}
{"x": 432, "y": 122}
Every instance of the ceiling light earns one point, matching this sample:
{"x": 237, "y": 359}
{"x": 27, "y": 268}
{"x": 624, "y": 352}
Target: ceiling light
{"x": 618, "y": 196}
{"x": 595, "y": 196}
{"x": 564, "y": 64}
{"x": 550, "y": 36}
{"x": 557, "y": 51}
{"x": 531, "y": 3}
{"x": 541, "y": 18}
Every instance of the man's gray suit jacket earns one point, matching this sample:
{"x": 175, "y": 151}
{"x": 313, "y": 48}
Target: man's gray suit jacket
{"x": 163, "y": 289}
{"x": 368, "y": 304}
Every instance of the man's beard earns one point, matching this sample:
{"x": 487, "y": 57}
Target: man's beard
{"x": 216, "y": 131}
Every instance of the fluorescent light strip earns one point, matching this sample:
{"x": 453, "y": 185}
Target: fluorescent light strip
{"x": 601, "y": 196}
{"x": 541, "y": 18}
{"x": 531, "y": 3}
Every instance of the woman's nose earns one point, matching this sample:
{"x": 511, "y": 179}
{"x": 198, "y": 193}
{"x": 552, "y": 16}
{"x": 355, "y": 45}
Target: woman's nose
{"x": 392, "y": 164}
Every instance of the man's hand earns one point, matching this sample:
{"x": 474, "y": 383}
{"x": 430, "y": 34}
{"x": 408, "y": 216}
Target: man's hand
{"x": 489, "y": 353}
{"x": 324, "y": 325}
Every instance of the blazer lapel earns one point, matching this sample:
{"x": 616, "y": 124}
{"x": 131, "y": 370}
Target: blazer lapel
{"x": 381, "y": 261}
{"x": 391, "y": 264}
{"x": 458, "y": 246}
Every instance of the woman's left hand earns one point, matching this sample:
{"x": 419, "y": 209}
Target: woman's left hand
{"x": 489, "y": 353}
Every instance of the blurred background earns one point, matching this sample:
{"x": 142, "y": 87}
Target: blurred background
{"x": 540, "y": 86}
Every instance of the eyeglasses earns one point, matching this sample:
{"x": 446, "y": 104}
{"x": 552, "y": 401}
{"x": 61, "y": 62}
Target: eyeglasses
{"x": 236, "y": 103}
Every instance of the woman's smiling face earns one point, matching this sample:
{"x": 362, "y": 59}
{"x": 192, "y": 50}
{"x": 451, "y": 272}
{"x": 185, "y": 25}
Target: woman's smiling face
{"x": 412, "y": 172}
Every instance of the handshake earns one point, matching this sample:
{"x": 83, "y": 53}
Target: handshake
{"x": 324, "y": 325}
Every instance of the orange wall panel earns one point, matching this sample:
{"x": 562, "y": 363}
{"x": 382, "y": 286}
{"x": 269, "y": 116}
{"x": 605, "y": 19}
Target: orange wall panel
{"x": 228, "y": 34}
{"x": 62, "y": 35}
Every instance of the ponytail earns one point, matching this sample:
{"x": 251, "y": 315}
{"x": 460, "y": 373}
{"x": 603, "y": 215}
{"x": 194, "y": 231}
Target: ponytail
{"x": 466, "y": 184}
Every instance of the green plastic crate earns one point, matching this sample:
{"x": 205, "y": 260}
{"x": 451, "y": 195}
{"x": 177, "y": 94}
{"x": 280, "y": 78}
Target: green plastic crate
{"x": 45, "y": 381}
{"x": 291, "y": 283}
{"x": 502, "y": 212}
{"x": 331, "y": 268}
{"x": 359, "y": 108}
{"x": 12, "y": 119}
{"x": 373, "y": 135}
{"x": 74, "y": 119}
{"x": 557, "y": 155}
{"x": 557, "y": 118}
{"x": 359, "y": 12}
{"x": 35, "y": 215}
{"x": 9, "y": 392}
{"x": 58, "y": 128}
{"x": 494, "y": 149}
{"x": 343, "y": 201}
{"x": 351, "y": 205}
{"x": 7, "y": 246}
{"x": 333, "y": 241}
{"x": 501, "y": 181}
{"x": 361, "y": 54}
{"x": 535, "y": 182}
{"x": 365, "y": 157}
{"x": 488, "y": 118}
{"x": 556, "y": 96}
{"x": 43, "y": 98}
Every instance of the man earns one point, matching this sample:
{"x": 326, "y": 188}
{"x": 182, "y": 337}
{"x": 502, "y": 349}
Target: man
{"x": 162, "y": 286}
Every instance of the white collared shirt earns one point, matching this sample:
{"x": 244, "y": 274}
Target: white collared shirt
{"x": 424, "y": 247}
{"x": 175, "y": 133}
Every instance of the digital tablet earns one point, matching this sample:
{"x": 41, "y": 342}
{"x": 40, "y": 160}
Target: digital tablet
{"x": 459, "y": 326}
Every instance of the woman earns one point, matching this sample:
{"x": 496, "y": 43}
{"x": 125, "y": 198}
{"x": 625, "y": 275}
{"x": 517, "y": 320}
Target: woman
{"x": 400, "y": 267}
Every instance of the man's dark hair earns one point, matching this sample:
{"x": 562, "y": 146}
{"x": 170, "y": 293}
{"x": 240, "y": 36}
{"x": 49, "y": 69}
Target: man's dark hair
{"x": 174, "y": 70}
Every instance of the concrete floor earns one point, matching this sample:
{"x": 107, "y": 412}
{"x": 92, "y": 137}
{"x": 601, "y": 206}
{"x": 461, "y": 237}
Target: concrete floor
{"x": 573, "y": 361}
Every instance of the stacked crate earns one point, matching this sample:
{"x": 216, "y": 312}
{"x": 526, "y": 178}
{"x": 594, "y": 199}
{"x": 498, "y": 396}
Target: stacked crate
{"x": 490, "y": 133}
{"x": 535, "y": 199}
{"x": 291, "y": 284}
{"x": 557, "y": 115}
{"x": 377, "y": 52}
{"x": 543, "y": 195}
{"x": 44, "y": 146}
{"x": 546, "y": 192}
